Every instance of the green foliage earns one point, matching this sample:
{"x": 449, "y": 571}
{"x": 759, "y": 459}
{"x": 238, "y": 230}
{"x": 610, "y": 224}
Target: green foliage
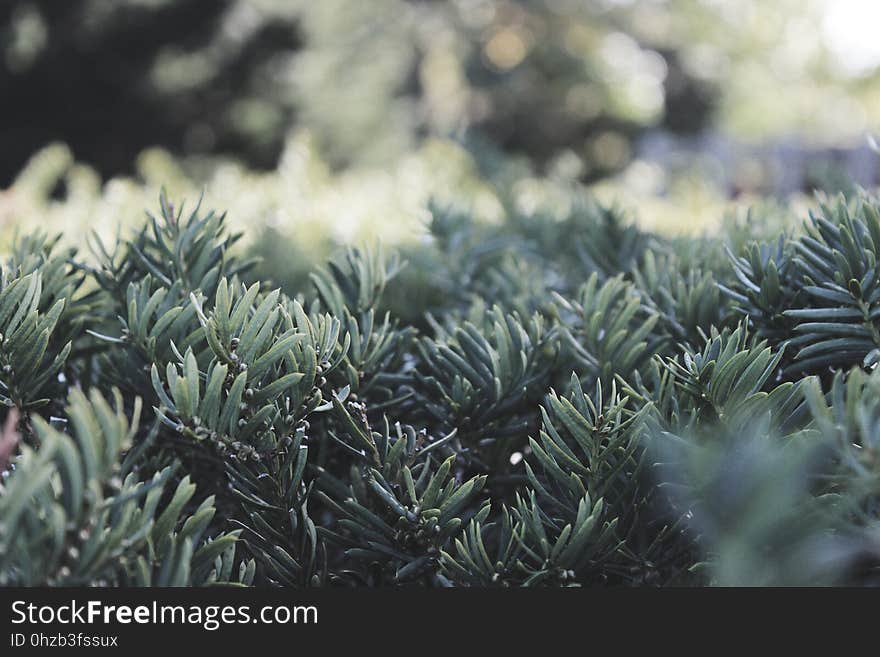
{"x": 27, "y": 364}
{"x": 74, "y": 513}
{"x": 727, "y": 381}
{"x": 484, "y": 380}
{"x": 43, "y": 308}
{"x": 353, "y": 292}
{"x": 687, "y": 298}
{"x": 819, "y": 291}
{"x": 609, "y": 329}
{"x": 400, "y": 505}
{"x": 520, "y": 405}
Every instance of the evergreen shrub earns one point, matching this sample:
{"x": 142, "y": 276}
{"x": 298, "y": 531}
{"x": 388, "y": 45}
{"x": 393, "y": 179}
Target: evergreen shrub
{"x": 547, "y": 402}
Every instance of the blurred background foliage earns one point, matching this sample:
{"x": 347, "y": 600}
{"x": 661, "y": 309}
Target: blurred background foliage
{"x": 347, "y": 117}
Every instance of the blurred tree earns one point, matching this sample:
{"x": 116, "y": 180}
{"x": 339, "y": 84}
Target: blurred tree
{"x": 111, "y": 78}
{"x": 369, "y": 81}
